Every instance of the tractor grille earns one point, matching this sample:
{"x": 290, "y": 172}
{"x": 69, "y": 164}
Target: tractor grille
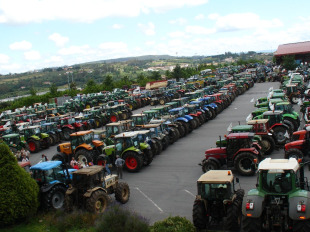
{"x": 276, "y": 210}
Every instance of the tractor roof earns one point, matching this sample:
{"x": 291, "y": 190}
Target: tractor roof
{"x": 46, "y": 165}
{"x": 278, "y": 165}
{"x": 89, "y": 171}
{"x": 257, "y": 121}
{"x": 142, "y": 132}
{"x": 80, "y": 133}
{"x": 242, "y": 127}
{"x": 114, "y": 124}
{"x": 137, "y": 115}
{"x": 10, "y": 136}
{"x": 126, "y": 134}
{"x": 276, "y": 112}
{"x": 152, "y": 125}
{"x": 243, "y": 135}
{"x": 216, "y": 177}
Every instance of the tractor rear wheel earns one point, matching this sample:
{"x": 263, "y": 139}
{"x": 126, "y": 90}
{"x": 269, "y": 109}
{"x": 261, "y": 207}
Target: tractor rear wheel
{"x": 60, "y": 156}
{"x": 294, "y": 122}
{"x": 186, "y": 127}
{"x": 181, "y": 130}
{"x": 165, "y": 142}
{"x": 209, "y": 165}
{"x": 54, "y": 198}
{"x": 200, "y": 218}
{"x": 159, "y": 145}
{"x": 133, "y": 161}
{"x": 279, "y": 133}
{"x": 69, "y": 202}
{"x": 251, "y": 224}
{"x": 34, "y": 145}
{"x": 114, "y": 118}
{"x": 148, "y": 157}
{"x": 294, "y": 153}
{"x": 66, "y": 133}
{"x": 98, "y": 202}
{"x": 269, "y": 144}
{"x": 122, "y": 192}
{"x": 234, "y": 215}
{"x": 84, "y": 156}
{"x": 244, "y": 163}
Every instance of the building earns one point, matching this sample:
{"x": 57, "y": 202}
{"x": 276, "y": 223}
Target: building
{"x": 300, "y": 50}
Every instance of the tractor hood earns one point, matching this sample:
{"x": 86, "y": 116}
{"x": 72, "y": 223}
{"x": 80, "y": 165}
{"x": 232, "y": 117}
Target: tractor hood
{"x": 216, "y": 151}
{"x": 294, "y": 144}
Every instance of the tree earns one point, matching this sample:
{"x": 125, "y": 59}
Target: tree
{"x": 108, "y": 83}
{"x": 155, "y": 75}
{"x": 73, "y": 86}
{"x": 177, "y": 72}
{"x": 53, "y": 89}
{"x": 289, "y": 62}
{"x": 33, "y": 91}
{"x": 91, "y": 87}
{"x": 18, "y": 191}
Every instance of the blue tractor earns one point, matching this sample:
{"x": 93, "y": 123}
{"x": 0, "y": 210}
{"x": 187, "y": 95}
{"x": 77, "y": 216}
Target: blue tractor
{"x": 53, "y": 178}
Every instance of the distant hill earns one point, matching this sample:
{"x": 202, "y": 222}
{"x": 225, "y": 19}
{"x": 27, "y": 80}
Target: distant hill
{"x": 125, "y": 59}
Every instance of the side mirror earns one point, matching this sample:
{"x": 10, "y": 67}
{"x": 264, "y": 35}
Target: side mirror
{"x": 237, "y": 180}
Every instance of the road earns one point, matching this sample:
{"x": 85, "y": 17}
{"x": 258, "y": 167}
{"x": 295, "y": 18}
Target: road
{"x": 168, "y": 186}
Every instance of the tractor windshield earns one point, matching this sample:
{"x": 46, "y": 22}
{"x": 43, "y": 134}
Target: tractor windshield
{"x": 280, "y": 182}
{"x": 216, "y": 191}
{"x": 112, "y": 130}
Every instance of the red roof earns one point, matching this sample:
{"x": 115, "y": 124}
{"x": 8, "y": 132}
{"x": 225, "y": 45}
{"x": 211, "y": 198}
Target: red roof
{"x": 293, "y": 48}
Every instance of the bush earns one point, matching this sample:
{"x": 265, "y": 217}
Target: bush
{"x": 117, "y": 219}
{"x": 173, "y": 224}
{"x": 18, "y": 191}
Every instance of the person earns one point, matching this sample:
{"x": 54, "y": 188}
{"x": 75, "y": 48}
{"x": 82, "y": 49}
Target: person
{"x": 27, "y": 152}
{"x": 44, "y": 158}
{"x": 106, "y": 164}
{"x": 91, "y": 163}
{"x": 25, "y": 159}
{"x": 72, "y": 162}
{"x": 119, "y": 163}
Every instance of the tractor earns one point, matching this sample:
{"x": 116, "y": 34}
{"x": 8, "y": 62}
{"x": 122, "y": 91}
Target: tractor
{"x": 53, "y": 178}
{"x": 237, "y": 151}
{"x": 280, "y": 201}
{"x": 82, "y": 147}
{"x": 297, "y": 149}
{"x": 14, "y": 142}
{"x": 90, "y": 189}
{"x": 217, "y": 199}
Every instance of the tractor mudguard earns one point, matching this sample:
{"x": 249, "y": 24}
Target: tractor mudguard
{"x": 280, "y": 124}
{"x": 298, "y": 197}
{"x": 292, "y": 116}
{"x": 65, "y": 148}
{"x": 83, "y": 146}
{"x": 108, "y": 150}
{"x": 44, "y": 135}
{"x": 255, "y": 198}
{"x": 250, "y": 150}
{"x": 298, "y": 144}
{"x": 182, "y": 119}
{"x": 97, "y": 143}
{"x": 90, "y": 191}
{"x": 216, "y": 160}
{"x": 188, "y": 117}
{"x": 144, "y": 146}
{"x": 35, "y": 137}
{"x": 68, "y": 126}
{"x": 46, "y": 188}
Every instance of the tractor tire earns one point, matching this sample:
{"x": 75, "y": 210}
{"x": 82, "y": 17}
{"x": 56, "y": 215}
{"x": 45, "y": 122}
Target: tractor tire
{"x": 48, "y": 142}
{"x": 152, "y": 103}
{"x": 98, "y": 202}
{"x": 159, "y": 145}
{"x": 209, "y": 165}
{"x": 57, "y": 138}
{"x": 289, "y": 124}
{"x": 200, "y": 218}
{"x": 122, "y": 192}
{"x": 194, "y": 123}
{"x": 54, "y": 198}
{"x": 148, "y": 157}
{"x": 114, "y": 118}
{"x": 61, "y": 157}
{"x": 177, "y": 133}
{"x": 162, "y": 101}
{"x": 181, "y": 130}
{"x": 66, "y": 133}
{"x": 133, "y": 161}
{"x": 301, "y": 226}
{"x": 240, "y": 194}
{"x": 173, "y": 136}
{"x": 84, "y": 156}
{"x": 269, "y": 144}
{"x": 165, "y": 142}
{"x": 243, "y": 163}
{"x": 250, "y": 224}
{"x": 234, "y": 215}
{"x": 97, "y": 123}
{"x": 295, "y": 124}
{"x": 279, "y": 133}
{"x": 201, "y": 119}
{"x": 294, "y": 153}
{"x": 52, "y": 140}
{"x": 34, "y": 145}
{"x": 213, "y": 112}
{"x": 186, "y": 127}
{"x": 124, "y": 116}
{"x": 155, "y": 149}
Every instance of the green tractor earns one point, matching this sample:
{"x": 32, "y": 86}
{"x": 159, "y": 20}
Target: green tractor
{"x": 217, "y": 199}
{"x": 35, "y": 139}
{"x": 14, "y": 142}
{"x": 281, "y": 200}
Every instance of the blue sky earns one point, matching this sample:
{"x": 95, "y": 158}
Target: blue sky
{"x": 46, "y": 33}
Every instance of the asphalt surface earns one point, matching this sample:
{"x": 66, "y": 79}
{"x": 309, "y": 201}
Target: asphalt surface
{"x": 168, "y": 186}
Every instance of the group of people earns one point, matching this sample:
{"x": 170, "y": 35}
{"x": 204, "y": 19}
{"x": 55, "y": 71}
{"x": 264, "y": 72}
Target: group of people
{"x": 22, "y": 155}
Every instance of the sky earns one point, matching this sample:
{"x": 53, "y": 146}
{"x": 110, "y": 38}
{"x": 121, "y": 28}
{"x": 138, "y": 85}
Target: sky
{"x": 39, "y": 34}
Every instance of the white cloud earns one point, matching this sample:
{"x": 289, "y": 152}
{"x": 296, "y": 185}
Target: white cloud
{"x": 179, "y": 21}
{"x": 176, "y": 34}
{"x": 11, "y": 68}
{"x": 4, "y": 59}
{"x": 74, "y": 50}
{"x": 149, "y": 43}
{"x": 113, "y": 48}
{"x": 117, "y": 26}
{"x": 32, "y": 55}
{"x": 58, "y": 39}
{"x": 200, "y": 17}
{"x": 54, "y": 59}
{"x": 199, "y": 30}
{"x": 21, "y": 46}
{"x": 83, "y": 11}
{"x": 147, "y": 29}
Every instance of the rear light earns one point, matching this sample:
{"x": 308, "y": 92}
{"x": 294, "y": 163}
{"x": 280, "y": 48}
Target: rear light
{"x": 249, "y": 205}
{"x": 301, "y": 208}
{"x": 302, "y": 217}
{"x": 249, "y": 215}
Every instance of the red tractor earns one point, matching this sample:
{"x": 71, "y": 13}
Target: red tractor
{"x": 298, "y": 149}
{"x": 237, "y": 150}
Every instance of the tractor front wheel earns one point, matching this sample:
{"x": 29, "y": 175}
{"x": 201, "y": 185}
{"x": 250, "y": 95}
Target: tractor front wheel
{"x": 34, "y": 145}
{"x": 54, "y": 198}
{"x": 301, "y": 226}
{"x": 122, "y": 192}
{"x": 269, "y": 144}
{"x": 200, "y": 218}
{"x": 61, "y": 157}
{"x": 280, "y": 132}
{"x": 251, "y": 224}
{"x": 98, "y": 202}
{"x": 209, "y": 165}
{"x": 244, "y": 163}
{"x": 234, "y": 215}
{"x": 133, "y": 161}
{"x": 294, "y": 153}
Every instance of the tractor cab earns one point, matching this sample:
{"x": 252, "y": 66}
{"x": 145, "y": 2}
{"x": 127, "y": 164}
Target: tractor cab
{"x": 139, "y": 119}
